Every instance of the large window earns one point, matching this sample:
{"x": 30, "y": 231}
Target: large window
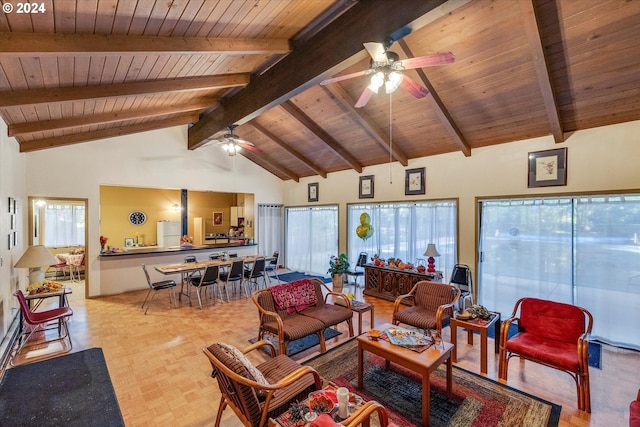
{"x": 578, "y": 250}
{"x": 63, "y": 223}
{"x": 312, "y": 237}
{"x": 403, "y": 230}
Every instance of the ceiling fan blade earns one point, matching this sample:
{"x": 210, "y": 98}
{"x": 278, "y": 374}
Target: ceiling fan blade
{"x": 251, "y": 147}
{"x": 377, "y": 52}
{"x": 345, "y": 77}
{"x": 413, "y": 87}
{"x": 429, "y": 60}
{"x": 364, "y": 98}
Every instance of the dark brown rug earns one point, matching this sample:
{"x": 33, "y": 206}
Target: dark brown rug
{"x": 477, "y": 401}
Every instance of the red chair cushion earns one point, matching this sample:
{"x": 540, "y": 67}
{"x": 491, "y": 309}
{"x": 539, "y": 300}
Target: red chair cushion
{"x": 553, "y": 320}
{"x": 634, "y": 414}
{"x": 556, "y": 353}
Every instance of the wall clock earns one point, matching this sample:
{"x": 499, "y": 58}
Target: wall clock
{"x": 137, "y": 217}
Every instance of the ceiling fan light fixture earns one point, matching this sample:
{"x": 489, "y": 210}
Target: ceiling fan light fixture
{"x": 393, "y": 81}
{"x": 231, "y": 148}
{"x": 377, "y": 80}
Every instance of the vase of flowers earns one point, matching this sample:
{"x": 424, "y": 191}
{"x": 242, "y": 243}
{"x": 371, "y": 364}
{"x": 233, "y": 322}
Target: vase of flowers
{"x": 338, "y": 265}
{"x": 103, "y": 242}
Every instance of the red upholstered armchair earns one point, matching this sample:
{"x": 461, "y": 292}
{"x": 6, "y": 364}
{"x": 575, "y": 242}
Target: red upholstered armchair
{"x": 553, "y": 334}
{"x": 634, "y": 412}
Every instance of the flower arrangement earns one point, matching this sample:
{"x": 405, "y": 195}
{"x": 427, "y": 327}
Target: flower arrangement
{"x": 185, "y": 241}
{"x": 103, "y": 240}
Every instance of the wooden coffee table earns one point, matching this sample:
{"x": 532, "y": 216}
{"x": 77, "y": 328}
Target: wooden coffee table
{"x": 421, "y": 363}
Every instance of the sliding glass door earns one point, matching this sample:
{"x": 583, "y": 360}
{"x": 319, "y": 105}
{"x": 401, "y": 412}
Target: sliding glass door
{"x": 578, "y": 250}
{"x": 311, "y": 238}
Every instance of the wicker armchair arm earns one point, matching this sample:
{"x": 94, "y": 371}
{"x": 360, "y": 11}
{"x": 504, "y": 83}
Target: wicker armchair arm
{"x": 347, "y": 302}
{"x": 504, "y": 329}
{"x": 259, "y": 344}
{"x": 399, "y": 298}
{"x": 264, "y": 312}
{"x": 364, "y": 413}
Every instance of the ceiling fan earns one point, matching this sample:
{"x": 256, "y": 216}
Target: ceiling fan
{"x": 231, "y": 142}
{"x": 386, "y": 69}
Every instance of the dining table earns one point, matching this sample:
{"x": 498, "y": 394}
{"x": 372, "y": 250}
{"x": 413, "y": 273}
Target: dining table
{"x": 189, "y": 267}
{"x": 73, "y": 261}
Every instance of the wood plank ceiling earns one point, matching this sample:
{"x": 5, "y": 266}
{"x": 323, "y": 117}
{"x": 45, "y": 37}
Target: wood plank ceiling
{"x": 88, "y": 70}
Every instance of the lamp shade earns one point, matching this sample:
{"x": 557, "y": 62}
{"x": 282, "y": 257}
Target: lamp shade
{"x": 34, "y": 258}
{"x": 431, "y": 251}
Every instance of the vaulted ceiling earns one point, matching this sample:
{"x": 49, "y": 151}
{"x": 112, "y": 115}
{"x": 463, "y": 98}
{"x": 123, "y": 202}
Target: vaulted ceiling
{"x": 88, "y": 70}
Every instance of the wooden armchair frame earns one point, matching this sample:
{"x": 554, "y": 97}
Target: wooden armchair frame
{"x": 231, "y": 397}
{"x": 363, "y": 415}
{"x": 439, "y": 312}
{"x": 580, "y": 375}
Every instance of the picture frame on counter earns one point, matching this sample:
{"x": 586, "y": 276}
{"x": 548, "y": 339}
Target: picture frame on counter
{"x": 365, "y": 189}
{"x": 128, "y": 242}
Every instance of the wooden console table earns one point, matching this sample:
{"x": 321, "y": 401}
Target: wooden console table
{"x": 388, "y": 283}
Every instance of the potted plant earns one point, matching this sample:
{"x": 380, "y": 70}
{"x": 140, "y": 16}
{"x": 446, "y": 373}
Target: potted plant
{"x": 338, "y": 265}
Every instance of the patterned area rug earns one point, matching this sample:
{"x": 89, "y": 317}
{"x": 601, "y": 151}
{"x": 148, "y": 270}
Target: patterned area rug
{"x": 296, "y": 275}
{"x": 477, "y": 401}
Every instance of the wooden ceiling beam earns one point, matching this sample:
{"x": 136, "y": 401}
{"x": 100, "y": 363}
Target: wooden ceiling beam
{"x": 304, "y": 160}
{"x": 106, "y": 44}
{"x": 196, "y": 106}
{"x": 336, "y": 47}
{"x": 76, "y": 138}
{"x": 63, "y": 94}
{"x": 321, "y": 134}
{"x": 438, "y": 106}
{"x": 364, "y": 121}
{"x": 262, "y": 159}
{"x": 541, "y": 68}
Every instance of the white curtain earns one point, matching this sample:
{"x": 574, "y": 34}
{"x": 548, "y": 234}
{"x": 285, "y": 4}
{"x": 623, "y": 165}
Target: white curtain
{"x": 270, "y": 233}
{"x": 578, "y": 250}
{"x": 64, "y": 224}
{"x": 403, "y": 230}
{"x": 311, "y": 238}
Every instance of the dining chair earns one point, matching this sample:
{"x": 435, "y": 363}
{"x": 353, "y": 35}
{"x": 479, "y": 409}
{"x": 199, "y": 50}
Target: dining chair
{"x": 210, "y": 277}
{"x": 40, "y": 322}
{"x": 234, "y": 275}
{"x": 272, "y": 265}
{"x": 257, "y": 271}
{"x": 158, "y": 286}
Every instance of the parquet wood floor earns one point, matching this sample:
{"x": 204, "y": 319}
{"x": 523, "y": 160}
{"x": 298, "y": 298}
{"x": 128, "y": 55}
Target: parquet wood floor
{"x": 161, "y": 377}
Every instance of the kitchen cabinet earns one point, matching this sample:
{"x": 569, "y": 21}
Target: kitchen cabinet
{"x": 236, "y": 212}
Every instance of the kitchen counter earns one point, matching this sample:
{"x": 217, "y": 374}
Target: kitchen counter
{"x": 157, "y": 250}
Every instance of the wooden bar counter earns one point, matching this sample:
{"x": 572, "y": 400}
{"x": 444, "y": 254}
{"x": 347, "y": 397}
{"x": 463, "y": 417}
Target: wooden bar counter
{"x": 388, "y": 283}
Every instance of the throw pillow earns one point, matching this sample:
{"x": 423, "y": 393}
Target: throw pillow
{"x": 252, "y": 372}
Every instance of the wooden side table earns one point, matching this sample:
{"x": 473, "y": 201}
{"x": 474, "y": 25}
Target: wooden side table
{"x": 361, "y": 307}
{"x": 481, "y": 326}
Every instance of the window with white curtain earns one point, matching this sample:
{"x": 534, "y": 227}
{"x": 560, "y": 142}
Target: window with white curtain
{"x": 581, "y": 250}
{"x": 311, "y": 238}
{"x": 63, "y": 224}
{"x": 270, "y": 229}
{"x": 404, "y": 229}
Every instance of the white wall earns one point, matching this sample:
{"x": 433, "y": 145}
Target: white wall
{"x": 12, "y": 184}
{"x": 601, "y": 159}
{"x": 156, "y": 159}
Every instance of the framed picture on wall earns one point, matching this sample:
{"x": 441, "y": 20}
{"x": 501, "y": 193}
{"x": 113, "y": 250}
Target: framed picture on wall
{"x": 10, "y": 204}
{"x": 312, "y": 192}
{"x": 548, "y": 168}
{"x": 365, "y": 190}
{"x": 217, "y": 218}
{"x": 414, "y": 181}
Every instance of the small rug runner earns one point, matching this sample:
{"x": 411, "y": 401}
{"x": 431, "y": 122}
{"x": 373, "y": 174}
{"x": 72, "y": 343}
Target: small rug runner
{"x": 296, "y": 275}
{"x": 70, "y": 390}
{"x": 477, "y": 401}
{"x": 298, "y": 346}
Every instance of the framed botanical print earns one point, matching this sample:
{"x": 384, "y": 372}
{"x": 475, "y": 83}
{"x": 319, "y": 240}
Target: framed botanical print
{"x": 366, "y": 187}
{"x": 312, "y": 192}
{"x": 548, "y": 168}
{"x": 217, "y": 218}
{"x": 414, "y": 181}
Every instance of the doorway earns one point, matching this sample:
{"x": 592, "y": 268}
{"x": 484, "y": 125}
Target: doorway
{"x": 60, "y": 224}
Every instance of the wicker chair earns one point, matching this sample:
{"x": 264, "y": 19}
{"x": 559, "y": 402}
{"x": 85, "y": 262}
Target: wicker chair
{"x": 432, "y": 305}
{"x": 253, "y": 402}
{"x": 552, "y": 334}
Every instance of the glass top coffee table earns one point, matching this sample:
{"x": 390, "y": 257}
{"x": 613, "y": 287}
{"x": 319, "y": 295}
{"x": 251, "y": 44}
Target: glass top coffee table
{"x": 422, "y": 363}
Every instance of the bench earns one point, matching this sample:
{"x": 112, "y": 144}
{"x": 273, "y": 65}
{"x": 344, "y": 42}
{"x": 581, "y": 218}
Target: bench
{"x": 294, "y": 310}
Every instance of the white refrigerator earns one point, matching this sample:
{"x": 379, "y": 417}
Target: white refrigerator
{"x": 169, "y": 233}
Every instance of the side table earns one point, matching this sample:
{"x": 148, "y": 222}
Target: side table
{"x": 481, "y": 326}
{"x": 360, "y": 307}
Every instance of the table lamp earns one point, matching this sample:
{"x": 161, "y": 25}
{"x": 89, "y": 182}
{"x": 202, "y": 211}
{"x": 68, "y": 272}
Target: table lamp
{"x": 431, "y": 252}
{"x": 33, "y": 259}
